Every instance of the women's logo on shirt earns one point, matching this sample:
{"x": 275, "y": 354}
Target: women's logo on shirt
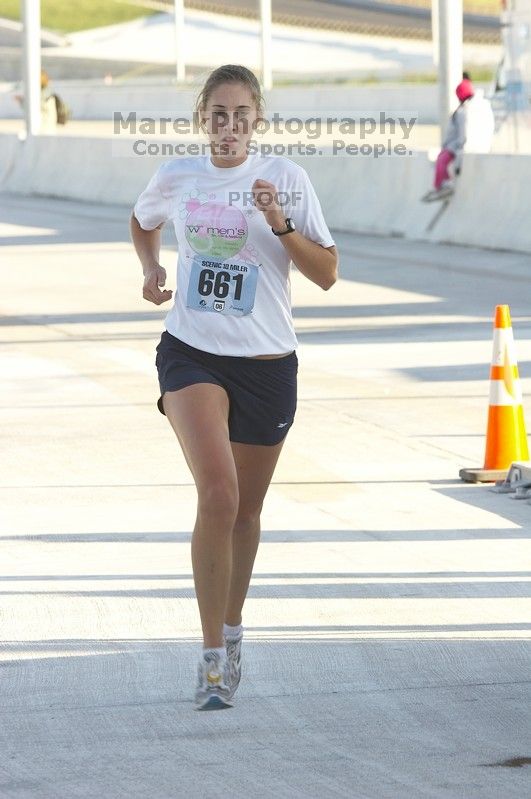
{"x": 214, "y": 228}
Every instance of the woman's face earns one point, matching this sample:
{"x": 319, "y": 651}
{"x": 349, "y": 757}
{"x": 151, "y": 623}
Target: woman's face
{"x": 230, "y": 117}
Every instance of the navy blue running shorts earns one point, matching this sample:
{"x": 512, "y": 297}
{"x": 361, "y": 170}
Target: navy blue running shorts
{"x": 262, "y": 392}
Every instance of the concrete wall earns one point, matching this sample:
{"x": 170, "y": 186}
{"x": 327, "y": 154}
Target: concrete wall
{"x": 490, "y": 207}
{"x": 97, "y": 101}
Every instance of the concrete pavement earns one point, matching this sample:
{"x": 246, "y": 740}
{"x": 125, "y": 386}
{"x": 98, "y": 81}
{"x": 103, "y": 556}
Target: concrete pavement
{"x": 388, "y": 622}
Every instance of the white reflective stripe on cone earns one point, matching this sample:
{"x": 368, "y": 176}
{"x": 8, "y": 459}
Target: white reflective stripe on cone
{"x": 503, "y": 342}
{"x": 500, "y": 396}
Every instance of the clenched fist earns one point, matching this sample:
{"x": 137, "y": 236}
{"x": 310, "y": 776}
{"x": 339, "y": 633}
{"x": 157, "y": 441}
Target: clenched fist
{"x": 266, "y": 200}
{"x": 155, "y": 277}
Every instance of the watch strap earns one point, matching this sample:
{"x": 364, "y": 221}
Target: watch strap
{"x": 290, "y": 227}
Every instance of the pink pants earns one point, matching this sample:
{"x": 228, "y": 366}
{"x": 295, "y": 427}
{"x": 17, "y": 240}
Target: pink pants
{"x": 444, "y": 159}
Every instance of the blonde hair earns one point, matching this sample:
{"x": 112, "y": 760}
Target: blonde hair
{"x": 230, "y": 73}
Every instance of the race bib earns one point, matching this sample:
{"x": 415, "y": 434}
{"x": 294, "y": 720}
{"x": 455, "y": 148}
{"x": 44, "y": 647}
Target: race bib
{"x": 225, "y": 287}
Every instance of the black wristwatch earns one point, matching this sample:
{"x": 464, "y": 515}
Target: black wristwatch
{"x": 290, "y": 227}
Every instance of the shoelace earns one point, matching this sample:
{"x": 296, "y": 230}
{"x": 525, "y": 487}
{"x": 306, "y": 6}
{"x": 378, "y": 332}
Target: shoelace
{"x": 233, "y": 657}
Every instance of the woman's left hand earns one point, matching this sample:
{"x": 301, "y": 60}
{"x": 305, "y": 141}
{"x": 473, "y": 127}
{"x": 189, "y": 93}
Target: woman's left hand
{"x": 266, "y": 200}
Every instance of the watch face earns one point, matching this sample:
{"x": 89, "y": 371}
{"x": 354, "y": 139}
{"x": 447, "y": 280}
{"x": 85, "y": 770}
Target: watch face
{"x": 289, "y": 226}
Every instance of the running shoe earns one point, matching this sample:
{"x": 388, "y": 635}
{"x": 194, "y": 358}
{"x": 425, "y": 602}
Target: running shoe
{"x": 234, "y": 659}
{"x": 438, "y": 194}
{"x": 212, "y": 692}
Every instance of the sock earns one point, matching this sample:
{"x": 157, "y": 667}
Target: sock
{"x": 232, "y": 632}
{"x": 219, "y": 650}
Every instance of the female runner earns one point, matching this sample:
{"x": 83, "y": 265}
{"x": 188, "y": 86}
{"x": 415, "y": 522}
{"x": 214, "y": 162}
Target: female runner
{"x": 226, "y": 361}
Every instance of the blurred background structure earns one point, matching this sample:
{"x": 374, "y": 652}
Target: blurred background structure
{"x": 349, "y": 44}
{"x": 362, "y": 59}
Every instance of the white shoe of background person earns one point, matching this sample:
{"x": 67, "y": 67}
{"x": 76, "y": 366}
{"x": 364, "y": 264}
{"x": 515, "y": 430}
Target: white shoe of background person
{"x": 446, "y": 190}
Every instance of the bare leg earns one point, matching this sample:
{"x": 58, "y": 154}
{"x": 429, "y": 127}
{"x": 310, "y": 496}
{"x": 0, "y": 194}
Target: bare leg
{"x": 255, "y": 466}
{"x": 199, "y": 415}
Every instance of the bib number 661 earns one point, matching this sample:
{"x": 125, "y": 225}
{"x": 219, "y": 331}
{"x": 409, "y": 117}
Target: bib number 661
{"x": 218, "y": 283}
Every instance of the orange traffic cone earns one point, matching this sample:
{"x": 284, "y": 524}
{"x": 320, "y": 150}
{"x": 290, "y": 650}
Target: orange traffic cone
{"x": 506, "y": 438}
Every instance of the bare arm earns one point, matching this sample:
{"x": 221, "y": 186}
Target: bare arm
{"x": 147, "y": 246}
{"x": 319, "y": 264}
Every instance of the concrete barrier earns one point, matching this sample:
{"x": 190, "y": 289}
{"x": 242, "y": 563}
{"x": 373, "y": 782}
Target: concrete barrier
{"x": 9, "y": 156}
{"x": 489, "y": 208}
{"x": 358, "y": 193}
{"x": 76, "y": 168}
{"x": 94, "y": 100}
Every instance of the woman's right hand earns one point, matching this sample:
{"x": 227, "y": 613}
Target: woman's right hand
{"x": 153, "y": 278}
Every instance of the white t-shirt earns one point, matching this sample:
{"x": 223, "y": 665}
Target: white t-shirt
{"x": 233, "y": 286}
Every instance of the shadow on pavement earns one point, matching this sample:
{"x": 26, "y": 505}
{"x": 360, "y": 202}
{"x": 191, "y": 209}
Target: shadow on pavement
{"x": 502, "y": 505}
{"x": 282, "y": 536}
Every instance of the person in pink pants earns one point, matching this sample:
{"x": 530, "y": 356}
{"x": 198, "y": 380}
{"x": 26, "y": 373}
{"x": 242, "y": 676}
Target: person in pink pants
{"x": 442, "y": 175}
{"x": 453, "y": 144}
